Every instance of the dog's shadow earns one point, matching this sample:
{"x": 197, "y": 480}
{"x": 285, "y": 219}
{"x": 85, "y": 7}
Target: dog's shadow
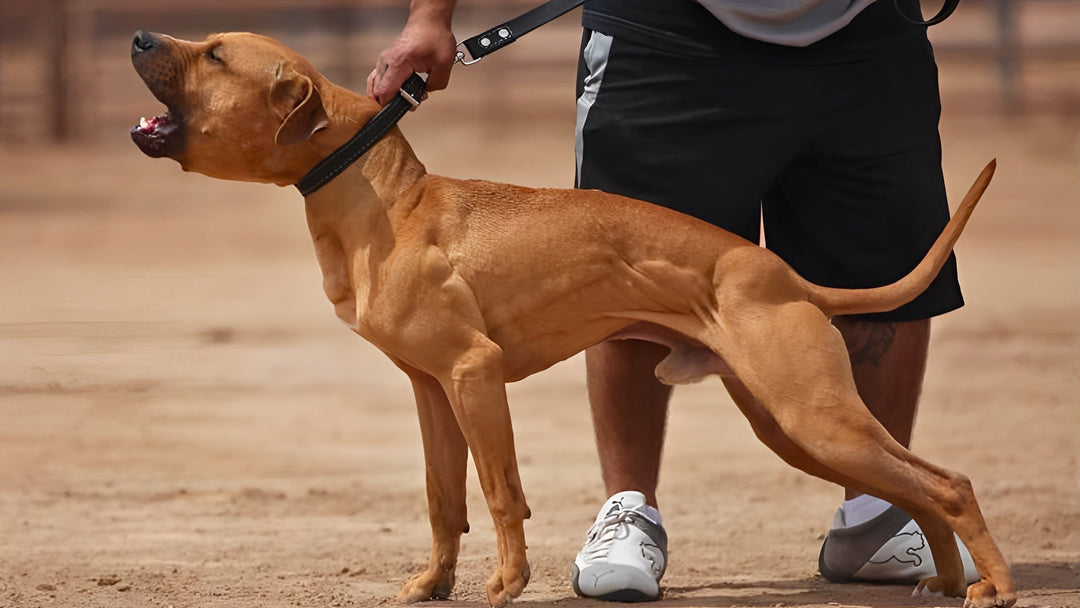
{"x": 1048, "y": 584}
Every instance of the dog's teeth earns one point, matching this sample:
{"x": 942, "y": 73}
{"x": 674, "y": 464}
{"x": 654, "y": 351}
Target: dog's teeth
{"x": 143, "y": 122}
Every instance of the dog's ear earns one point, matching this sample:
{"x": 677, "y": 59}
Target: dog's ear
{"x": 297, "y": 102}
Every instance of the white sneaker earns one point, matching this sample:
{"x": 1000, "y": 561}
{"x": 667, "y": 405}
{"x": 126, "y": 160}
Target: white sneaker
{"x": 887, "y": 549}
{"x": 625, "y": 553}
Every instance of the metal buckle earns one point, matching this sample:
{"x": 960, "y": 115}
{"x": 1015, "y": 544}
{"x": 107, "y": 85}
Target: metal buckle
{"x": 407, "y": 96}
{"x": 463, "y": 56}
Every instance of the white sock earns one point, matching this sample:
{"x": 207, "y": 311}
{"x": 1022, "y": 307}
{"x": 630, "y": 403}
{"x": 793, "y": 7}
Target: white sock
{"x": 862, "y": 509}
{"x": 652, "y": 513}
{"x": 634, "y": 500}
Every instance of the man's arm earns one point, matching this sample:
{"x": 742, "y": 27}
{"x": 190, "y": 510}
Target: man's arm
{"x": 425, "y": 44}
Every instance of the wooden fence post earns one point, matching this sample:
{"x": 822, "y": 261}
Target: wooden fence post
{"x": 1009, "y": 52}
{"x": 59, "y": 72}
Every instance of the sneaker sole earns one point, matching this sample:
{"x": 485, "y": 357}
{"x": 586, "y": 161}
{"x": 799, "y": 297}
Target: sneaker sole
{"x": 626, "y": 594}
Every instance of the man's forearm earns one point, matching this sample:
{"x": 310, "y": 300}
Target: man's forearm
{"x": 433, "y": 11}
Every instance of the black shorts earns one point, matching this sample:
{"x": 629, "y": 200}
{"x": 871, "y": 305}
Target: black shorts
{"x": 841, "y": 160}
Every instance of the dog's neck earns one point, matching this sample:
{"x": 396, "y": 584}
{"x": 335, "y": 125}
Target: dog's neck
{"x": 390, "y": 166}
{"x": 356, "y": 214}
{"x": 375, "y": 186}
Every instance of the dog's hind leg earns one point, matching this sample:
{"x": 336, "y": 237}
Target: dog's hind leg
{"x": 770, "y": 433}
{"x": 446, "y": 458}
{"x": 795, "y": 365}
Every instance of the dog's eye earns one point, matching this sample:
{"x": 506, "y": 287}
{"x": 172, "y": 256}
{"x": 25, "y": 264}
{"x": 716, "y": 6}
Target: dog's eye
{"x": 213, "y": 55}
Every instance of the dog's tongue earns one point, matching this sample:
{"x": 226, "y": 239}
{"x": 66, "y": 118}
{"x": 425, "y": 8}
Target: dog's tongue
{"x": 158, "y": 136}
{"x": 158, "y": 125}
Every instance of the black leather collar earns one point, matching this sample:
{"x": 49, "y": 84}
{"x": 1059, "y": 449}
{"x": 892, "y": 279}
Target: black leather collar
{"x": 339, "y": 160}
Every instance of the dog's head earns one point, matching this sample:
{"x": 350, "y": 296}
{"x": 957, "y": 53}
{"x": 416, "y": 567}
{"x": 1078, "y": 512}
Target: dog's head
{"x": 238, "y": 106}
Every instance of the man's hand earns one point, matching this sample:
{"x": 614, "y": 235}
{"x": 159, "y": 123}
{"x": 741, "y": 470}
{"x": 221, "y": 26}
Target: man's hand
{"x": 426, "y": 44}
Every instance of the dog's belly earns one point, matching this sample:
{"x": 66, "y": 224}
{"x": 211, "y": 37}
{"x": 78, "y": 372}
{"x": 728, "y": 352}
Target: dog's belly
{"x": 689, "y": 360}
{"x": 531, "y": 348}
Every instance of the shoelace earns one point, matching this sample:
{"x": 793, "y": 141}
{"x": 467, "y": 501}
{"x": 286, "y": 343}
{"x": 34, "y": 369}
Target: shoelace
{"x": 603, "y": 534}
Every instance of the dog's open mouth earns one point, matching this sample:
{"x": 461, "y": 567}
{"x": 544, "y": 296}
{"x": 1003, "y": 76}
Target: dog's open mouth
{"x": 158, "y": 136}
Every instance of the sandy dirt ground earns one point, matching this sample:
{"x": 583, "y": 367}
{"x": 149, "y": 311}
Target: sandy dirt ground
{"x": 184, "y": 423}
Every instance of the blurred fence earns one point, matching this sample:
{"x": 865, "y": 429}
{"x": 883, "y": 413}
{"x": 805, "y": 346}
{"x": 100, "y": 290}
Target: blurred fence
{"x": 64, "y": 66}
{"x": 64, "y": 69}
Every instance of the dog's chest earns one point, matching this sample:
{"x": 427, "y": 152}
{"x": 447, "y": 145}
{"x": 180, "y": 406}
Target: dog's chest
{"x": 338, "y": 282}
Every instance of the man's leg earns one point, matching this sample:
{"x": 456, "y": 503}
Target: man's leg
{"x": 888, "y": 361}
{"x": 680, "y": 162}
{"x": 858, "y": 208}
{"x": 625, "y": 552}
{"x": 629, "y": 409}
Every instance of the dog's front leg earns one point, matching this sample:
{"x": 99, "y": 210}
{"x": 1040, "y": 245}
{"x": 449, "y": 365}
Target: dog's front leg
{"x": 477, "y": 393}
{"x": 445, "y": 457}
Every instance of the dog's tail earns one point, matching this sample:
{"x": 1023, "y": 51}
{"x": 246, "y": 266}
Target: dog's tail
{"x": 834, "y": 301}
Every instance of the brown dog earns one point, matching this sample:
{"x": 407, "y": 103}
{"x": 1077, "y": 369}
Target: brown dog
{"x": 467, "y": 285}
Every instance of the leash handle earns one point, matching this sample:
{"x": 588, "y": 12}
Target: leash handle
{"x": 474, "y": 49}
{"x": 947, "y": 9}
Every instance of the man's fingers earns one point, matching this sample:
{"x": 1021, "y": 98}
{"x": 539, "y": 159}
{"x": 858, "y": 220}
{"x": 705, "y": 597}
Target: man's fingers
{"x": 395, "y": 65}
{"x": 439, "y": 77}
{"x": 394, "y": 77}
{"x": 385, "y": 81}
{"x": 371, "y": 83}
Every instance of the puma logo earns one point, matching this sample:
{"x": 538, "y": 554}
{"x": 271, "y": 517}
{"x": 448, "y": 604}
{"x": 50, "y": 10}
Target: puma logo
{"x": 655, "y": 556}
{"x": 616, "y": 506}
{"x": 906, "y": 549}
{"x": 598, "y": 576}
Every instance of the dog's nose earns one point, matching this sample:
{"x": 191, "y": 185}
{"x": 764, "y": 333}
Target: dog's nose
{"x": 144, "y": 41}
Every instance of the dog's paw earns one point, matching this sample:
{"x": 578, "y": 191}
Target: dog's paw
{"x": 428, "y": 585}
{"x": 937, "y": 586}
{"x": 984, "y": 594}
{"x": 504, "y": 586}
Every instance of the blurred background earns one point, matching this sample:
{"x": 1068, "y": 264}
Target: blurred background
{"x": 66, "y": 76}
{"x": 184, "y": 422}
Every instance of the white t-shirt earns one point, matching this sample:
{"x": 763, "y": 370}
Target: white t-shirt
{"x": 786, "y": 22}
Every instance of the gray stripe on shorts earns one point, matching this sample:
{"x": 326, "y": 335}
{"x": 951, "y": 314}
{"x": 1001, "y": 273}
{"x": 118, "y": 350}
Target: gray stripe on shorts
{"x": 595, "y": 55}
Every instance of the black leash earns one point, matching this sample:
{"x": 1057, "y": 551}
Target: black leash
{"x": 473, "y": 49}
{"x": 469, "y": 52}
{"x": 947, "y": 9}
{"x": 412, "y": 92}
